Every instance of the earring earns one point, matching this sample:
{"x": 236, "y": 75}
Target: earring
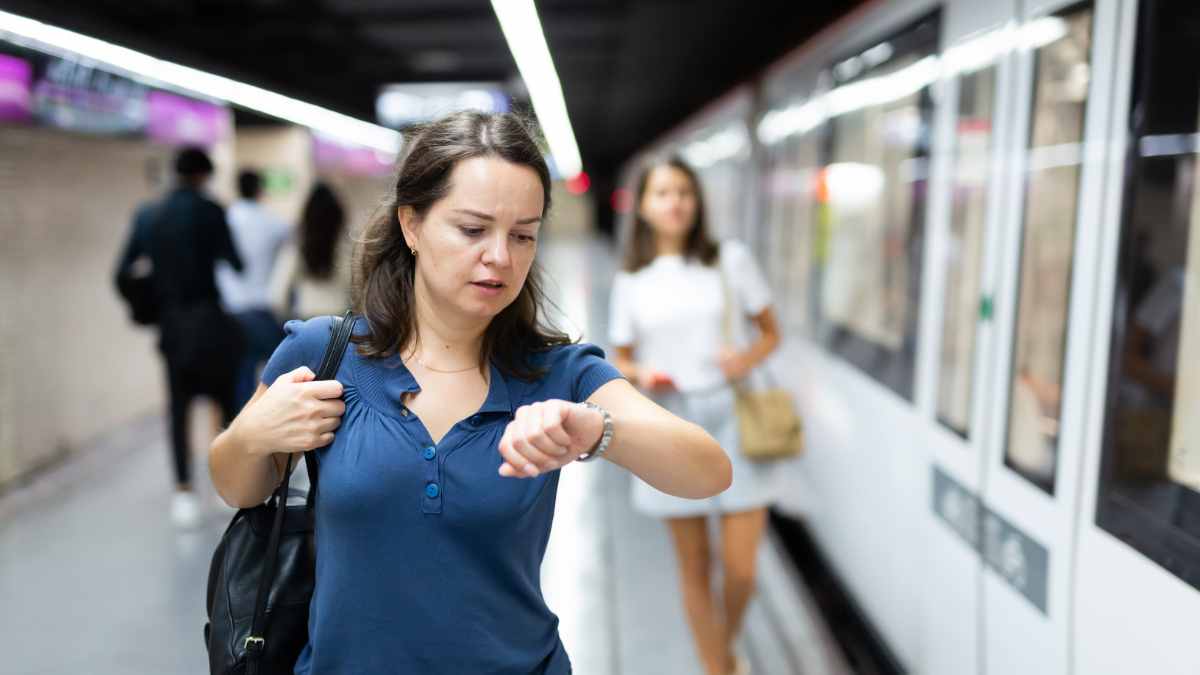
{"x": 413, "y": 251}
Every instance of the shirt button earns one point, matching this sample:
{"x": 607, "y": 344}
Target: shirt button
{"x": 432, "y": 491}
{"x": 404, "y": 412}
{"x": 475, "y": 419}
{"x": 430, "y": 452}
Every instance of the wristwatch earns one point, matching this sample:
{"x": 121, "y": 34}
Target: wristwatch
{"x": 605, "y": 437}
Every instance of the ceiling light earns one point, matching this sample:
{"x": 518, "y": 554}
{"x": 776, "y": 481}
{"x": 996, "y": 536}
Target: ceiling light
{"x": 523, "y": 31}
{"x": 969, "y": 56}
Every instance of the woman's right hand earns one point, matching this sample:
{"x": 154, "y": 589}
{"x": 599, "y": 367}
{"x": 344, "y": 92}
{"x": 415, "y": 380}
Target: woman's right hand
{"x": 295, "y": 414}
{"x": 654, "y": 381}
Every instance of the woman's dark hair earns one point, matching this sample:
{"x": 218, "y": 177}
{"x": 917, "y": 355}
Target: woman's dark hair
{"x": 321, "y": 225}
{"x": 641, "y": 247}
{"x": 384, "y": 265}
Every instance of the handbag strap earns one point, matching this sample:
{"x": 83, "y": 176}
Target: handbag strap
{"x": 341, "y": 329}
{"x": 727, "y": 317}
{"x": 727, "y": 294}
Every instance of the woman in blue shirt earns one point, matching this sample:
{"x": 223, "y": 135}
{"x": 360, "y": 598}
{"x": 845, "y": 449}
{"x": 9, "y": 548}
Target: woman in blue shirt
{"x": 441, "y": 439}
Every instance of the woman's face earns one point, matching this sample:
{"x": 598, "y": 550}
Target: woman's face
{"x": 475, "y": 245}
{"x": 669, "y": 202}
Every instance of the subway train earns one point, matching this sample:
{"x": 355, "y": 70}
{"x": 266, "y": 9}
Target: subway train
{"x": 975, "y": 215}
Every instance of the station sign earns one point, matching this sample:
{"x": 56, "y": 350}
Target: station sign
{"x": 401, "y": 105}
{"x": 76, "y": 94}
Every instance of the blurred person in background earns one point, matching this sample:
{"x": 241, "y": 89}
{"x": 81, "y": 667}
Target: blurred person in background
{"x": 174, "y": 246}
{"x": 666, "y": 317}
{"x": 429, "y": 563}
{"x": 258, "y": 236}
{"x": 312, "y": 276}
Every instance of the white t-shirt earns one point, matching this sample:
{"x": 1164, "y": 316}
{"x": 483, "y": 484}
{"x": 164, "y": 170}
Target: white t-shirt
{"x": 671, "y": 312}
{"x": 258, "y": 235}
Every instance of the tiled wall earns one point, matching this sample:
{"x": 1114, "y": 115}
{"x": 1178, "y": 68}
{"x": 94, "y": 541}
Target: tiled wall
{"x": 72, "y": 366}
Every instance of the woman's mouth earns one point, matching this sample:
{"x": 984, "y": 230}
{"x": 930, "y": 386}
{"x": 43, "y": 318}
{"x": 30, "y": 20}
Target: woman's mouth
{"x": 489, "y": 286}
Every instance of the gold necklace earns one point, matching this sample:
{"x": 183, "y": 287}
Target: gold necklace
{"x": 439, "y": 370}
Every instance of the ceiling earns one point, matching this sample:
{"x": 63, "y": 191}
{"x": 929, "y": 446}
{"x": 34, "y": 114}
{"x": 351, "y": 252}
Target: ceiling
{"x": 630, "y": 69}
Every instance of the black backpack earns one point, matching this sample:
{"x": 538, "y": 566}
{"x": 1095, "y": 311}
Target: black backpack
{"x": 136, "y": 283}
{"x": 261, "y": 579}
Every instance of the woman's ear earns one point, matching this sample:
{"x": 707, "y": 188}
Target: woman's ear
{"x": 407, "y": 216}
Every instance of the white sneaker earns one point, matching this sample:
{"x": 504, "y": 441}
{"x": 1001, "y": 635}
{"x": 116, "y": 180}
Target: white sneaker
{"x": 185, "y": 510}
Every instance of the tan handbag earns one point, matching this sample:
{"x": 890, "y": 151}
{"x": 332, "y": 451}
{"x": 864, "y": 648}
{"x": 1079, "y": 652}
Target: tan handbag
{"x": 768, "y": 425}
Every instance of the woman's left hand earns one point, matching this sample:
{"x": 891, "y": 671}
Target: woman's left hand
{"x": 734, "y": 364}
{"x": 548, "y": 435}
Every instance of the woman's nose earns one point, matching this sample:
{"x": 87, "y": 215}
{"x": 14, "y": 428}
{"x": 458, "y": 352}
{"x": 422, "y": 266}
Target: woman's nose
{"x": 496, "y": 252}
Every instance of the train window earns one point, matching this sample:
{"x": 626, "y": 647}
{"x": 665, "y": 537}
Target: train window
{"x": 964, "y": 261}
{"x": 871, "y": 211}
{"x": 1150, "y": 483}
{"x": 720, "y": 154}
{"x": 1062, "y": 74}
{"x": 788, "y": 186}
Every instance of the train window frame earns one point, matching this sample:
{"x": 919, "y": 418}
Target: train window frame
{"x": 1155, "y": 515}
{"x": 1046, "y": 484}
{"x": 894, "y": 369}
{"x": 985, "y": 193}
{"x": 792, "y": 219}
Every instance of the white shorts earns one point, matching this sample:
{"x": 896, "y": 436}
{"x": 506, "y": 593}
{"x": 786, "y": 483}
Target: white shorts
{"x": 754, "y": 483}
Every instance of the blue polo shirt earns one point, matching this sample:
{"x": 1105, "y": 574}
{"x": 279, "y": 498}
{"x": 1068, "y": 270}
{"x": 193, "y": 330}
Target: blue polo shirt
{"x": 428, "y": 560}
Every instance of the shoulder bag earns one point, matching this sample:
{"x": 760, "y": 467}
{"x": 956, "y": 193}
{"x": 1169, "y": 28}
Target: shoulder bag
{"x": 768, "y": 425}
{"x": 261, "y": 578}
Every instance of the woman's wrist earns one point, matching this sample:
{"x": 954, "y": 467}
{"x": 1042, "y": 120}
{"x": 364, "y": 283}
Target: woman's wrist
{"x": 758, "y": 353}
{"x": 240, "y": 442}
{"x": 600, "y": 446}
{"x": 753, "y": 357}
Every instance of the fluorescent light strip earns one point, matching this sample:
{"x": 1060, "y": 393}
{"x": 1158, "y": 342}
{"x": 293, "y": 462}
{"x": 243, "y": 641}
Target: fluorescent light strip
{"x": 54, "y": 40}
{"x": 972, "y": 55}
{"x": 721, "y": 145}
{"x": 523, "y": 31}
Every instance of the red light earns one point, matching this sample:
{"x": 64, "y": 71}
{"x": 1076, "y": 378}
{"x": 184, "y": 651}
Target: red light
{"x": 622, "y": 200}
{"x": 579, "y": 184}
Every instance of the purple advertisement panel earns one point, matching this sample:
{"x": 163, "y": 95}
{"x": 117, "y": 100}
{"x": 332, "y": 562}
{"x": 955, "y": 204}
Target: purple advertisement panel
{"x": 332, "y": 155}
{"x": 183, "y": 121}
{"x": 16, "y": 79}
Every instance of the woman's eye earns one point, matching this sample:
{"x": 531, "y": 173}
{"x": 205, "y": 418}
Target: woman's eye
{"x": 471, "y": 231}
{"x": 525, "y": 238}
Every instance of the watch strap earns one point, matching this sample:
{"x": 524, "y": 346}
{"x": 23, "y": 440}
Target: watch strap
{"x": 606, "y": 435}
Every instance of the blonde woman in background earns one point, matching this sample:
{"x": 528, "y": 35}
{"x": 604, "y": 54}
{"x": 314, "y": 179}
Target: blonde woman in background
{"x": 312, "y": 275}
{"x": 667, "y": 311}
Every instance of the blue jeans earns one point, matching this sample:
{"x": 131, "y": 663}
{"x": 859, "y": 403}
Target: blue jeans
{"x": 263, "y": 334}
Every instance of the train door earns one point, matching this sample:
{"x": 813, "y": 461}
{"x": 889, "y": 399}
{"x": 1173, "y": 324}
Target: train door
{"x": 1064, "y": 58}
{"x": 969, "y": 183}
